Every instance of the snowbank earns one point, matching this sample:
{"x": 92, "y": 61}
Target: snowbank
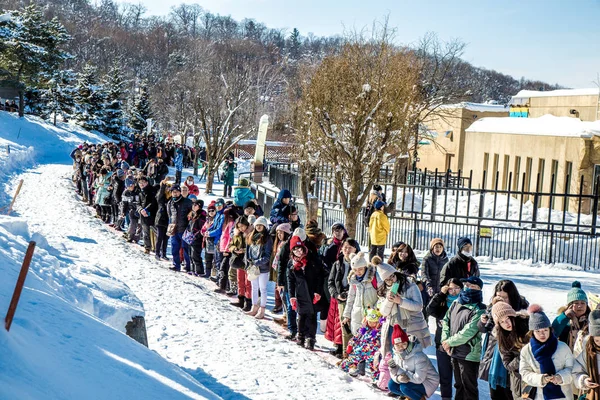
{"x": 547, "y": 125}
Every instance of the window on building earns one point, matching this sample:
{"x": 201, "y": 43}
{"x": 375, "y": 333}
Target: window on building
{"x": 568, "y": 176}
{"x": 516, "y": 173}
{"x": 541, "y": 167}
{"x": 486, "y": 161}
{"x": 495, "y": 171}
{"x": 554, "y": 179}
{"x": 528, "y": 167}
{"x": 505, "y": 172}
{"x": 449, "y": 161}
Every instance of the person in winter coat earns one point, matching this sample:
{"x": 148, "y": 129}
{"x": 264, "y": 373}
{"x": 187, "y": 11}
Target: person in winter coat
{"x": 258, "y": 253}
{"x": 197, "y": 218}
{"x": 242, "y": 194}
{"x": 283, "y": 233}
{"x": 362, "y": 294}
{"x": 404, "y": 308}
{"x": 161, "y": 221}
{"x": 403, "y": 258}
{"x": 213, "y": 235}
{"x": 283, "y": 259}
{"x": 229, "y": 167}
{"x": 462, "y": 265}
{"x": 586, "y": 368}
{"x": 147, "y": 210}
{"x": 375, "y": 194}
{"x": 103, "y": 194}
{"x": 461, "y": 338}
{"x": 229, "y": 217}
{"x": 294, "y": 218}
{"x": 338, "y": 286}
{"x": 333, "y": 250}
{"x": 315, "y": 243}
{"x": 281, "y": 208}
{"x": 512, "y": 332}
{"x": 437, "y": 308}
{"x": 178, "y": 209}
{"x": 364, "y": 346}
{"x": 379, "y": 229}
{"x": 497, "y": 377}
{"x": 413, "y": 375}
{"x": 432, "y": 264}
{"x": 178, "y": 161}
{"x": 572, "y": 318}
{"x": 150, "y": 171}
{"x": 546, "y": 363}
{"x": 305, "y": 283}
{"x": 192, "y": 187}
{"x": 237, "y": 248}
{"x": 130, "y": 201}
{"x": 117, "y": 187}
{"x": 208, "y": 242}
{"x": 162, "y": 170}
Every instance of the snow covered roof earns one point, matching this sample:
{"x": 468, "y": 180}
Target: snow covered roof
{"x": 547, "y": 125}
{"x": 558, "y": 93}
{"x": 5, "y": 17}
{"x": 480, "y": 107}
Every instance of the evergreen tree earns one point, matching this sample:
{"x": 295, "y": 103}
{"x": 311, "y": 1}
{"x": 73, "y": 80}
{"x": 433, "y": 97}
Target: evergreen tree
{"x": 140, "y": 111}
{"x": 294, "y": 44}
{"x": 113, "y": 110}
{"x": 58, "y": 96}
{"x": 89, "y": 100}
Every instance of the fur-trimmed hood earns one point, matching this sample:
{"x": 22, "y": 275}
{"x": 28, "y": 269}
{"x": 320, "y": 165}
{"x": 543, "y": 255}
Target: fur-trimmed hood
{"x": 369, "y": 275}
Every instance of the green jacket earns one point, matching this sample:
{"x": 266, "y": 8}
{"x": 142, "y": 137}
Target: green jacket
{"x": 459, "y": 329}
{"x": 229, "y": 172}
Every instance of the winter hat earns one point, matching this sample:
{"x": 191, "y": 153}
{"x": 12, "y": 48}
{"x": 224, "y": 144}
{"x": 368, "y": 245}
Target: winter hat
{"x": 373, "y": 315}
{"x": 576, "y": 293}
{"x": 474, "y": 280}
{"x": 537, "y": 318}
{"x": 594, "y": 323}
{"x": 124, "y": 165}
{"x": 219, "y": 202}
{"x": 284, "y": 194}
{"x": 120, "y": 173}
{"x": 399, "y": 336}
{"x": 244, "y": 182}
{"x": 501, "y": 310}
{"x": 129, "y": 182}
{"x": 287, "y": 228}
{"x": 357, "y": 260}
{"x": 383, "y": 270}
{"x": 262, "y": 221}
{"x": 175, "y": 187}
{"x": 462, "y": 242}
{"x": 435, "y": 241}
{"x": 211, "y": 206}
{"x": 296, "y": 241}
{"x": 377, "y": 188}
{"x": 250, "y": 204}
{"x": 379, "y": 204}
{"x": 192, "y": 197}
{"x": 337, "y": 225}
{"x": 251, "y": 219}
{"x": 300, "y": 233}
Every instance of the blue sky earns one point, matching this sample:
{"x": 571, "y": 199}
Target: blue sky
{"x": 557, "y": 41}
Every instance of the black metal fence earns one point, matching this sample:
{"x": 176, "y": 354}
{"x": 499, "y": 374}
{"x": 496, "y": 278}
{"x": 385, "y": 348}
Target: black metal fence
{"x": 503, "y": 224}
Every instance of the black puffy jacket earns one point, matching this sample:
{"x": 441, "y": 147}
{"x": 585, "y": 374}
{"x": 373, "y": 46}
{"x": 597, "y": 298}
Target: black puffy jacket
{"x": 178, "y": 209}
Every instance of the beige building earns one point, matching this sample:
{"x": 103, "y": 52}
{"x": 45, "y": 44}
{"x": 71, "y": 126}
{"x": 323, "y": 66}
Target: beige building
{"x": 443, "y": 142}
{"x": 575, "y": 103}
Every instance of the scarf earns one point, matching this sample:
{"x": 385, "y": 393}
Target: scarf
{"x": 450, "y": 299}
{"x": 591, "y": 358}
{"x": 498, "y": 375}
{"x": 299, "y": 262}
{"x": 470, "y": 296}
{"x": 542, "y": 352}
{"x": 337, "y": 243}
{"x": 577, "y": 324}
{"x": 256, "y": 237}
{"x": 360, "y": 278}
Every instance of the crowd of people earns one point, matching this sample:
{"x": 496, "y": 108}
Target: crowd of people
{"x": 374, "y": 311}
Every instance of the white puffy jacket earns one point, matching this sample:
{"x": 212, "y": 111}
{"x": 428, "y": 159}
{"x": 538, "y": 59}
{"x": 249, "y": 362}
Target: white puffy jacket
{"x": 563, "y": 363}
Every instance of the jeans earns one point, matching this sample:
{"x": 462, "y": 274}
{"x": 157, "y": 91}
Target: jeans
{"x": 161, "y": 241}
{"x": 261, "y": 283}
{"x": 445, "y": 370}
{"x": 411, "y": 390}
{"x": 176, "y": 244}
{"x": 376, "y": 251}
{"x": 292, "y": 325}
{"x": 133, "y": 226}
{"x": 209, "y": 259}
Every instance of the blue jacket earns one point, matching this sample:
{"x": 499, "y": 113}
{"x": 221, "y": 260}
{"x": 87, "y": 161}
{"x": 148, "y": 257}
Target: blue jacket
{"x": 217, "y": 226}
{"x": 179, "y": 162}
{"x": 242, "y": 195}
{"x": 280, "y": 212}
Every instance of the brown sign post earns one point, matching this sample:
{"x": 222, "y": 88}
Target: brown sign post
{"x": 19, "y": 288}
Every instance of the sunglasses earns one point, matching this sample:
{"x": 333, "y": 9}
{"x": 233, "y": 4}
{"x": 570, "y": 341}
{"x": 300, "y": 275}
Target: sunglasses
{"x": 212, "y": 211}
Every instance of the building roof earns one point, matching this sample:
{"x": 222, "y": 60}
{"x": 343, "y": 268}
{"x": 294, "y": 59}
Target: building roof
{"x": 558, "y": 93}
{"x": 479, "y": 107}
{"x": 547, "y": 125}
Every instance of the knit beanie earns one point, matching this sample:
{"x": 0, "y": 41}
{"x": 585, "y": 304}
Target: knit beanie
{"x": 251, "y": 219}
{"x": 378, "y": 204}
{"x": 462, "y": 242}
{"x": 244, "y": 182}
{"x": 287, "y": 228}
{"x": 435, "y": 241}
{"x": 250, "y": 204}
{"x": 594, "y": 323}
{"x": 383, "y": 270}
{"x": 262, "y": 221}
{"x": 501, "y": 310}
{"x": 129, "y": 182}
{"x": 296, "y": 241}
{"x": 357, "y": 260}
{"x": 399, "y": 336}
{"x": 537, "y": 318}
{"x": 300, "y": 233}
{"x": 211, "y": 206}
{"x": 576, "y": 293}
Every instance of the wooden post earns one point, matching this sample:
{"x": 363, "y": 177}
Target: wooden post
{"x": 12, "y": 203}
{"x": 313, "y": 208}
{"x": 19, "y": 287}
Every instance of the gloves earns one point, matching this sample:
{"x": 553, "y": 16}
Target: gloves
{"x": 316, "y": 298}
{"x": 392, "y": 364}
{"x": 393, "y": 371}
{"x": 349, "y": 349}
{"x": 294, "y": 303}
{"x": 403, "y": 378}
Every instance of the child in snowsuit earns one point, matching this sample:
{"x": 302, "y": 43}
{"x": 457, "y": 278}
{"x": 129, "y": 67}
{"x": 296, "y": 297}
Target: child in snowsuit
{"x": 364, "y": 346}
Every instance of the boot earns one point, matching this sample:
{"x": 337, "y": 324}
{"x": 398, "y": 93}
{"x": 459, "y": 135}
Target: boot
{"x": 281, "y": 321}
{"x": 323, "y": 325}
{"x": 311, "y": 344}
{"x": 301, "y": 341}
{"x": 232, "y": 291}
{"x": 337, "y": 352}
{"x": 291, "y": 336}
{"x": 261, "y": 313}
{"x": 248, "y": 305}
{"x": 253, "y": 311}
{"x": 240, "y": 302}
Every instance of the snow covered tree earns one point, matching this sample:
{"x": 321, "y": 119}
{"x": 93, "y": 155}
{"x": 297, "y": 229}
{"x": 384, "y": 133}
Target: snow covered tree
{"x": 58, "y": 96}
{"x": 113, "y": 109}
{"x": 89, "y": 100}
{"x": 30, "y": 46}
{"x": 140, "y": 111}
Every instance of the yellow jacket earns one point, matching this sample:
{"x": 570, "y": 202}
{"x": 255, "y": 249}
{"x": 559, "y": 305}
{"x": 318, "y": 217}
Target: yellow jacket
{"x": 379, "y": 228}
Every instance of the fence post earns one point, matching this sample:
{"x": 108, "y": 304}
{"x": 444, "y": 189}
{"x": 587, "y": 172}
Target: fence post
{"x": 595, "y": 206}
{"x": 19, "y": 287}
{"x": 480, "y": 214}
{"x": 551, "y": 255}
{"x": 136, "y": 329}
{"x": 12, "y": 203}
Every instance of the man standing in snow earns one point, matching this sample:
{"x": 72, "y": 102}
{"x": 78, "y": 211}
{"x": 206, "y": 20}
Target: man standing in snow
{"x": 462, "y": 265}
{"x": 178, "y": 209}
{"x": 147, "y": 210}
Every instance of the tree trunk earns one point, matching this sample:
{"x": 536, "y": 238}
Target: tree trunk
{"x": 21, "y": 101}
{"x": 210, "y": 176}
{"x": 196, "y": 151}
{"x": 351, "y": 215}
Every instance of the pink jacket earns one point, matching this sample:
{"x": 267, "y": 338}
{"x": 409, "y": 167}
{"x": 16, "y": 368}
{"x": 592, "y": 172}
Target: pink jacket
{"x": 384, "y": 373}
{"x": 226, "y": 237}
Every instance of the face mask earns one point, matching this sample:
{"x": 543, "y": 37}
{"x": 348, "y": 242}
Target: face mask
{"x": 467, "y": 253}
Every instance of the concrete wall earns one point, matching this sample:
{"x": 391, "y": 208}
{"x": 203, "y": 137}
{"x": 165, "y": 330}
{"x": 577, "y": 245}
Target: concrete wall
{"x": 435, "y": 155}
{"x": 561, "y": 106}
{"x": 544, "y": 154}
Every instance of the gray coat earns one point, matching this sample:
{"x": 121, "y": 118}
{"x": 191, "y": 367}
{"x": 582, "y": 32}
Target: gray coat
{"x": 361, "y": 296}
